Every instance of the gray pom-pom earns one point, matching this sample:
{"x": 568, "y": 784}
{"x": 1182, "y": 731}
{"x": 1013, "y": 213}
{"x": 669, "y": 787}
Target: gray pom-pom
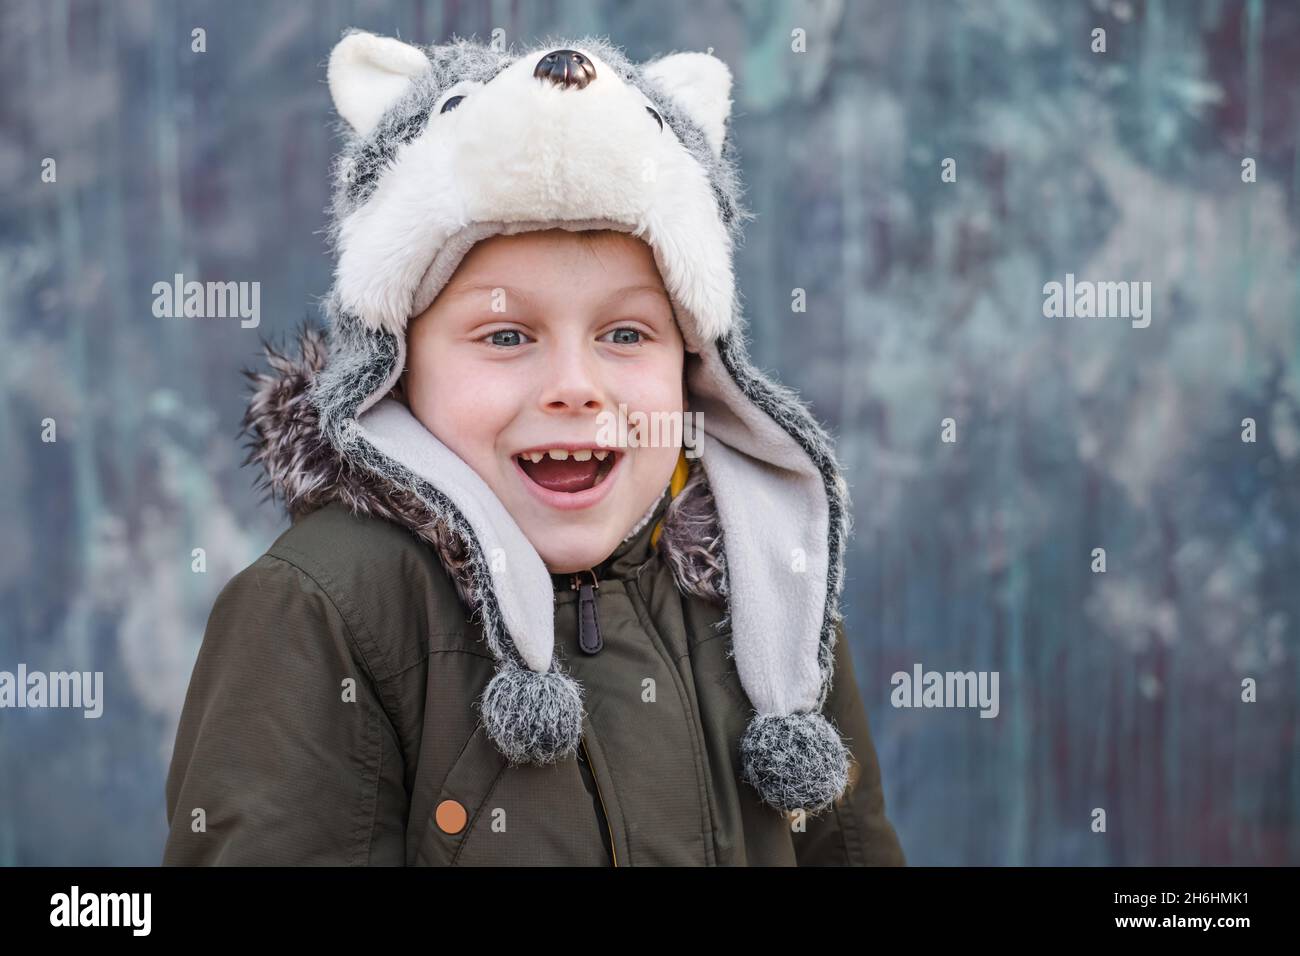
{"x": 795, "y": 761}
{"x": 531, "y": 717}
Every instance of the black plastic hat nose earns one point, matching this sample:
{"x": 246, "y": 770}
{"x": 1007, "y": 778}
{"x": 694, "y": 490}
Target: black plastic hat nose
{"x": 567, "y": 69}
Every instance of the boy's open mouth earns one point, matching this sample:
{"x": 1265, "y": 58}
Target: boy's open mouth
{"x": 568, "y": 470}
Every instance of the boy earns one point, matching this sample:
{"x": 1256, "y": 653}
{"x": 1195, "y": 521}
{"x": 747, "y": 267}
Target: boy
{"x": 493, "y": 636}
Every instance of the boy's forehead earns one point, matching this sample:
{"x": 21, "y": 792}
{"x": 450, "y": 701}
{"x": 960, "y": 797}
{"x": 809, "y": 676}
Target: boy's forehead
{"x": 559, "y": 274}
{"x": 561, "y": 239}
{"x": 549, "y": 260}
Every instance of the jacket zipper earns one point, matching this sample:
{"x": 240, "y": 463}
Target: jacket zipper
{"x": 589, "y": 639}
{"x": 604, "y": 814}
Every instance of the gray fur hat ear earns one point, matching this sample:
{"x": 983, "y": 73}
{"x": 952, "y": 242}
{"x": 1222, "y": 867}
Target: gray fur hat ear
{"x": 368, "y": 74}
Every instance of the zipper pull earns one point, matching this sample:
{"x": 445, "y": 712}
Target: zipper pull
{"x": 589, "y": 638}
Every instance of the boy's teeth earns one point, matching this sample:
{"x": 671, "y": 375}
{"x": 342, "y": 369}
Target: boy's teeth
{"x": 560, "y": 454}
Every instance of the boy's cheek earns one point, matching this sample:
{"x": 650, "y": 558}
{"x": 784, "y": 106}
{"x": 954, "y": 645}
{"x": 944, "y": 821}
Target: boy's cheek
{"x": 660, "y": 397}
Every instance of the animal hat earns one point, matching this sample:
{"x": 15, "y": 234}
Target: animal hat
{"x": 449, "y": 144}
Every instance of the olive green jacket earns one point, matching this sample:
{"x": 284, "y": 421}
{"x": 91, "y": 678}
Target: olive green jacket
{"x": 330, "y": 720}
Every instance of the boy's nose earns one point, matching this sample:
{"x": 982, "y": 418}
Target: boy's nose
{"x": 566, "y": 69}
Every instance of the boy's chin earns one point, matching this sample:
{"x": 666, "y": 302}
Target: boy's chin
{"x": 567, "y": 548}
{"x": 560, "y": 559}
{"x": 571, "y": 541}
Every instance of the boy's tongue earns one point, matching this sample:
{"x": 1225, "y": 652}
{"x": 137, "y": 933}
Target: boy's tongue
{"x": 568, "y": 476}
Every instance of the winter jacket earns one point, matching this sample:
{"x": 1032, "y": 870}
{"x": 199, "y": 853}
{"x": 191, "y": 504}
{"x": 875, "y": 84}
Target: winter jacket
{"x": 400, "y": 679}
{"x": 290, "y": 771}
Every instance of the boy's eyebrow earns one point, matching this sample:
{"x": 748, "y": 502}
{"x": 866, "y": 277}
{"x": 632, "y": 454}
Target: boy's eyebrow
{"x": 510, "y": 291}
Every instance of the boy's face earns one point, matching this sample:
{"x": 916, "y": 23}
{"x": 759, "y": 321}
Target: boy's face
{"x": 533, "y": 338}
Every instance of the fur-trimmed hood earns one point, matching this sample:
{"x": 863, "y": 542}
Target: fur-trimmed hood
{"x": 441, "y": 151}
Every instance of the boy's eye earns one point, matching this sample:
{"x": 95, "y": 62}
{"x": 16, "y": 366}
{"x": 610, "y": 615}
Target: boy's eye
{"x": 627, "y": 341}
{"x": 496, "y": 337}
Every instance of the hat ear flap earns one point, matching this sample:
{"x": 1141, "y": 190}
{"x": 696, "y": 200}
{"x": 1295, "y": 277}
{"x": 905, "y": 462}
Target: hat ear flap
{"x": 368, "y": 74}
{"x": 701, "y": 84}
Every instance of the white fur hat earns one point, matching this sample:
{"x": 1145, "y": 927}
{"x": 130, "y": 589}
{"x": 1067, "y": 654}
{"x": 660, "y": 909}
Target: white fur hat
{"x": 440, "y": 154}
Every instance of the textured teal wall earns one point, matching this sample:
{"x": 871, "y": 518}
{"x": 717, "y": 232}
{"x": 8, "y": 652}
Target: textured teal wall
{"x": 925, "y": 300}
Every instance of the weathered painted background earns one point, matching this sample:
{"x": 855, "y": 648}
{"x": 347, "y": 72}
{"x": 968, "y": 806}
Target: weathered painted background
{"x": 1118, "y": 690}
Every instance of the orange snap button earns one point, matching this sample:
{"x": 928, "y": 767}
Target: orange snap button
{"x": 450, "y": 816}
